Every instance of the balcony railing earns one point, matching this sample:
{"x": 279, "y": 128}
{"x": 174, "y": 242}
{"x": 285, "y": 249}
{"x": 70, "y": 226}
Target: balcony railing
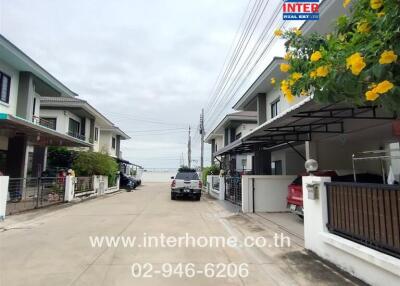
{"x": 368, "y": 214}
{"x": 77, "y": 135}
{"x": 43, "y": 122}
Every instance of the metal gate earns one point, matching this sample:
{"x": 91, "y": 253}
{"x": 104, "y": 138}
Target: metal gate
{"x": 84, "y": 186}
{"x": 31, "y": 193}
{"x": 233, "y": 189}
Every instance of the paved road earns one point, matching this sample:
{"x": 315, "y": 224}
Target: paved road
{"x": 54, "y": 248}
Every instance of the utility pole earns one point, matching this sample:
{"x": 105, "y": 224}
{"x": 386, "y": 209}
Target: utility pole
{"x": 202, "y": 133}
{"x": 189, "y": 151}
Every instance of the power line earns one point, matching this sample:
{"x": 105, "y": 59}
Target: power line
{"x": 228, "y": 97}
{"x": 233, "y": 68}
{"x": 234, "y": 58}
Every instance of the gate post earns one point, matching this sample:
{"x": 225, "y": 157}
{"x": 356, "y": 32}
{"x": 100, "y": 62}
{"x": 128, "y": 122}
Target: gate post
{"x": 222, "y": 188}
{"x": 4, "y": 180}
{"x": 69, "y": 188}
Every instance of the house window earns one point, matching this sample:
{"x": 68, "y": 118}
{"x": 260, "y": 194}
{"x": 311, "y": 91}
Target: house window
{"x": 73, "y": 128}
{"x": 49, "y": 122}
{"x": 96, "y": 134}
{"x": 5, "y": 82}
{"x": 276, "y": 167}
{"x": 113, "y": 143}
{"x": 274, "y": 108}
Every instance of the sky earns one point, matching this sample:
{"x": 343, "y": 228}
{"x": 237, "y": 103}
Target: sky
{"x": 147, "y": 65}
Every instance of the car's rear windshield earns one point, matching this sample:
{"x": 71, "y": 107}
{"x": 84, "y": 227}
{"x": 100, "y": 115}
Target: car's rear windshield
{"x": 187, "y": 176}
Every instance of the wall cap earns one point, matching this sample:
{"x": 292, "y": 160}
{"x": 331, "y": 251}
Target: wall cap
{"x": 368, "y": 255}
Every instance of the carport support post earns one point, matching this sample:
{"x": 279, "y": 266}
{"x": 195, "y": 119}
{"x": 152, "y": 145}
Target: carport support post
{"x": 69, "y": 188}
{"x": 4, "y": 180}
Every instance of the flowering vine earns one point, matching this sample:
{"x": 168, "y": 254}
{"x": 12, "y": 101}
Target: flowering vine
{"x": 357, "y": 63}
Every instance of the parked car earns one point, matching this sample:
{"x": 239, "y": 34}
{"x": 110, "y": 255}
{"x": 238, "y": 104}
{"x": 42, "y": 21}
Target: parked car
{"x": 127, "y": 183}
{"x": 295, "y": 189}
{"x": 186, "y": 184}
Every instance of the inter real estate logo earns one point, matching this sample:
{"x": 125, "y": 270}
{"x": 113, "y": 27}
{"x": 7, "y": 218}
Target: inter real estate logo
{"x": 301, "y": 10}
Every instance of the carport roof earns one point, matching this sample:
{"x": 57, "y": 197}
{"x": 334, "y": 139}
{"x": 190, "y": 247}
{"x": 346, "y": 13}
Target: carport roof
{"x": 37, "y": 134}
{"x": 304, "y": 121}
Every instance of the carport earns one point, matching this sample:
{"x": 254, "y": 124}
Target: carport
{"x": 328, "y": 133}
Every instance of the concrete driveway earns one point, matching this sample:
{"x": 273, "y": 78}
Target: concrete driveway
{"x": 52, "y": 247}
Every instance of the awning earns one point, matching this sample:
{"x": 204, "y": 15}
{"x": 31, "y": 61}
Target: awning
{"x": 305, "y": 121}
{"x": 36, "y": 134}
{"x": 128, "y": 163}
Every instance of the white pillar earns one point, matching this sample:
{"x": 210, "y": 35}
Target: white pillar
{"x": 315, "y": 212}
{"x": 69, "y": 188}
{"x": 3, "y": 195}
{"x": 222, "y": 188}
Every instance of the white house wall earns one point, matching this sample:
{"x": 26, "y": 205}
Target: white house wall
{"x": 283, "y": 105}
{"x": 106, "y": 143}
{"x": 11, "y": 107}
{"x": 245, "y": 128}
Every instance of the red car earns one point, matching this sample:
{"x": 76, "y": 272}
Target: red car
{"x": 295, "y": 192}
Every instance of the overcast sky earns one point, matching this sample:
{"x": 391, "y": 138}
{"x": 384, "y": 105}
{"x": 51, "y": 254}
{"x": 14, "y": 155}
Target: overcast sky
{"x": 149, "y": 66}
{"x": 133, "y": 60}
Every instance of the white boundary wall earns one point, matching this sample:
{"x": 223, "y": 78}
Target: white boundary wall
{"x": 3, "y": 196}
{"x": 362, "y": 262}
{"x": 270, "y": 193}
{"x": 219, "y": 193}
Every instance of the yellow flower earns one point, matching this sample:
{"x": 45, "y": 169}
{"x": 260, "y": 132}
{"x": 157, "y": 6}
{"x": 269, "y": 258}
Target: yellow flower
{"x": 322, "y": 71}
{"x": 289, "y": 96}
{"x": 278, "y": 33}
{"x": 387, "y": 57}
{"x": 297, "y": 31}
{"x": 296, "y": 76}
{"x": 273, "y": 81}
{"x": 356, "y": 63}
{"x": 303, "y": 93}
{"x": 376, "y": 4}
{"x": 313, "y": 74}
{"x": 363, "y": 27}
{"x": 346, "y": 3}
{"x": 380, "y": 14}
{"x": 316, "y": 56}
{"x": 371, "y": 95}
{"x": 383, "y": 87}
{"x": 288, "y": 55}
{"x": 285, "y": 67}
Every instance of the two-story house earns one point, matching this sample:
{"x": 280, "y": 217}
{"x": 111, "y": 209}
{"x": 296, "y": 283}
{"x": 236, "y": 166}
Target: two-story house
{"x": 24, "y": 135}
{"x": 79, "y": 119}
{"x": 232, "y": 127}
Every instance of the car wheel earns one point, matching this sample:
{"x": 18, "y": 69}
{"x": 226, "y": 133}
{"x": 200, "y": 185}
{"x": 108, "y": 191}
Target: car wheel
{"x": 198, "y": 197}
{"x": 172, "y": 196}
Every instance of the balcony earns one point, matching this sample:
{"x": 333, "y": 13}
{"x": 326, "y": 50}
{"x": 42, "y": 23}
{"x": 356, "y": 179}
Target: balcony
{"x": 43, "y": 122}
{"x": 77, "y": 135}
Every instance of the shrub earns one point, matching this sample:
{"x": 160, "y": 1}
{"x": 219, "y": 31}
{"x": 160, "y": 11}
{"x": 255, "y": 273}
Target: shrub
{"x": 60, "y": 157}
{"x": 93, "y": 163}
{"x": 212, "y": 170}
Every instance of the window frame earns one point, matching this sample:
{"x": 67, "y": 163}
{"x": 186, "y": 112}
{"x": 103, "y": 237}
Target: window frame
{"x": 77, "y": 123}
{"x": 113, "y": 142}
{"x": 96, "y": 134}
{"x": 274, "y": 108}
{"x": 7, "y": 101}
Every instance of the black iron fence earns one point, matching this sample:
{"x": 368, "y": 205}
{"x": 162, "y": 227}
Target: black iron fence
{"x": 233, "y": 189}
{"x": 83, "y": 186}
{"x": 368, "y": 214}
{"x": 31, "y": 193}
